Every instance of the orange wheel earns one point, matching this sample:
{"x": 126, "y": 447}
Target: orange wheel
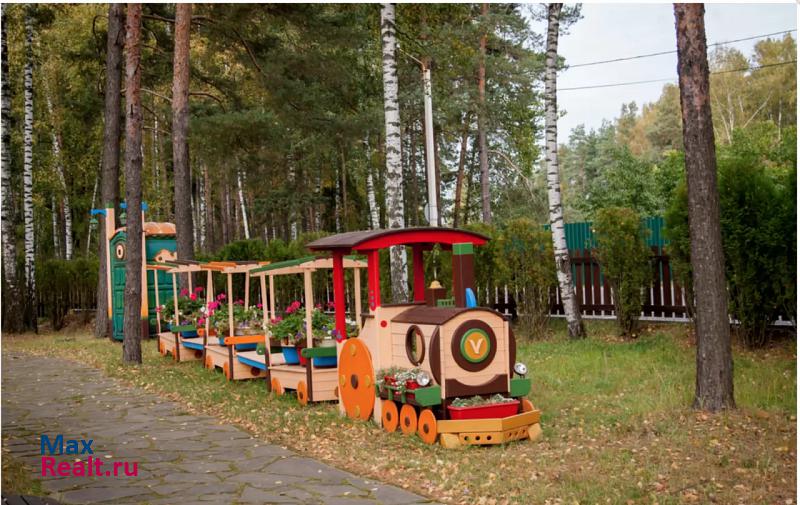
{"x": 408, "y": 420}
{"x": 526, "y": 405}
{"x": 161, "y": 348}
{"x": 175, "y": 353}
{"x": 276, "y": 386}
{"x": 209, "y": 362}
{"x": 356, "y": 379}
{"x": 426, "y": 428}
{"x": 389, "y": 417}
{"x": 302, "y": 393}
{"x": 226, "y": 371}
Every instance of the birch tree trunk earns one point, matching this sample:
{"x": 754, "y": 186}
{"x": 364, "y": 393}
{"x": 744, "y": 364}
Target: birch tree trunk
{"x": 242, "y": 204}
{"x": 59, "y": 166}
{"x": 27, "y": 175}
{"x": 184, "y": 226}
{"x": 133, "y": 322}
{"x": 714, "y": 380}
{"x": 12, "y": 313}
{"x": 462, "y": 159}
{"x": 109, "y": 187}
{"x": 92, "y": 225}
{"x": 563, "y": 267}
{"x": 202, "y": 199}
{"x": 56, "y": 231}
{"x": 486, "y": 204}
{"x": 374, "y": 223}
{"x": 394, "y": 169}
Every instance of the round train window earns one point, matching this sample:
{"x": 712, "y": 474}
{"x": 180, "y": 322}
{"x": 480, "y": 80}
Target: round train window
{"x": 415, "y": 345}
{"x": 120, "y": 251}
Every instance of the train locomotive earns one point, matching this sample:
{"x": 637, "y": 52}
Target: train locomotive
{"x": 455, "y": 348}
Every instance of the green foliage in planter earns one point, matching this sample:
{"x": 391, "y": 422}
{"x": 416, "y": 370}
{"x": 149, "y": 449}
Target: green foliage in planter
{"x": 477, "y": 401}
{"x": 625, "y": 260}
{"x": 524, "y": 260}
{"x": 63, "y": 284}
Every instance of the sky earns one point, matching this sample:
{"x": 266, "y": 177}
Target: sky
{"x": 610, "y": 31}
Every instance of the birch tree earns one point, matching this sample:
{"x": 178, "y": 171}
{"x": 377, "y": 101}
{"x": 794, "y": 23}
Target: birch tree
{"x": 58, "y": 164}
{"x": 109, "y": 187}
{"x": 27, "y": 174}
{"x": 374, "y": 221}
{"x": 12, "y": 313}
{"x": 394, "y": 169}
{"x": 563, "y": 265}
{"x": 714, "y": 381}
{"x": 184, "y": 226}
{"x": 243, "y": 205}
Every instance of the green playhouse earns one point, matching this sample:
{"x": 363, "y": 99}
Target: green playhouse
{"x": 159, "y": 246}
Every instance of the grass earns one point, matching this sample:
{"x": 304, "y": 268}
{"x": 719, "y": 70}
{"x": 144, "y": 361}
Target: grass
{"x": 17, "y": 477}
{"x": 617, "y": 426}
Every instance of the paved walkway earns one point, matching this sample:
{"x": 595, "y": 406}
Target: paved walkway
{"x": 182, "y": 458}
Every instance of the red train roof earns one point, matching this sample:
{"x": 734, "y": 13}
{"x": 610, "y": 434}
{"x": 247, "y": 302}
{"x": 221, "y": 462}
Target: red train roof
{"x": 380, "y": 239}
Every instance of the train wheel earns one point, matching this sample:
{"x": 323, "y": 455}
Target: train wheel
{"x": 161, "y": 348}
{"x": 389, "y": 416}
{"x": 408, "y": 420}
{"x": 356, "y": 379}
{"x": 277, "y": 389}
{"x": 209, "y": 362}
{"x": 302, "y": 393}
{"x": 426, "y": 428}
{"x": 226, "y": 371}
{"x": 198, "y": 353}
{"x": 526, "y": 405}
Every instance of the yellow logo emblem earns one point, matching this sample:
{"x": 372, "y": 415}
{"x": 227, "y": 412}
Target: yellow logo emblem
{"x": 475, "y": 345}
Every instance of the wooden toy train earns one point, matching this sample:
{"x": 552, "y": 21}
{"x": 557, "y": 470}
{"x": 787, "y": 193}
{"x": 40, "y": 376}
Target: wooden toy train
{"x": 460, "y": 350}
{"x": 411, "y": 365}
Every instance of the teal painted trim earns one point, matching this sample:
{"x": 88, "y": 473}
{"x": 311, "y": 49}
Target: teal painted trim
{"x": 319, "y": 352}
{"x": 251, "y": 362}
{"x": 463, "y": 249}
{"x": 192, "y": 345}
{"x": 520, "y": 387}
{"x": 186, "y": 327}
{"x": 429, "y": 396}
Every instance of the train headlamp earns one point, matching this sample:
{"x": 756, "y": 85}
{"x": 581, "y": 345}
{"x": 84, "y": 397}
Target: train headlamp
{"x": 423, "y": 379}
{"x": 521, "y": 369}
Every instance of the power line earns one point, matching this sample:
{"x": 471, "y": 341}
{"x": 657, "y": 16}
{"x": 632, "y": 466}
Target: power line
{"x": 673, "y": 51}
{"x": 667, "y": 79}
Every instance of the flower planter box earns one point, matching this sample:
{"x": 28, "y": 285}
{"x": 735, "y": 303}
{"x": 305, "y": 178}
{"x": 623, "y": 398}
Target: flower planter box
{"x": 291, "y": 354}
{"x": 325, "y": 362}
{"x": 189, "y": 334}
{"x": 490, "y": 411}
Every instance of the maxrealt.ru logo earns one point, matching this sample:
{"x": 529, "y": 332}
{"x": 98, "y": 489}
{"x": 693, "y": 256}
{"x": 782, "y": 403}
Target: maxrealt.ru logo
{"x": 80, "y": 468}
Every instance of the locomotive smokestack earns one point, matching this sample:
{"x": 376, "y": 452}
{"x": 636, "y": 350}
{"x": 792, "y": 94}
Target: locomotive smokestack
{"x": 463, "y": 273}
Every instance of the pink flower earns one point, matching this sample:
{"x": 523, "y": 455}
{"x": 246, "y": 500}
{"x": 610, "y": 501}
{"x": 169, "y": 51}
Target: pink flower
{"x": 276, "y": 320}
{"x": 318, "y": 306}
{"x": 193, "y": 297}
{"x": 221, "y": 296}
{"x": 239, "y": 302}
{"x": 198, "y": 289}
{"x": 201, "y": 321}
{"x": 260, "y": 306}
{"x": 331, "y": 305}
{"x": 184, "y": 292}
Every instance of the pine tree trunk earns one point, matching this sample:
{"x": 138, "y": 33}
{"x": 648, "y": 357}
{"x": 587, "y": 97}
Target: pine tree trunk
{"x": 12, "y": 310}
{"x": 394, "y": 169}
{"x": 59, "y": 166}
{"x": 563, "y": 267}
{"x": 486, "y": 208}
{"x": 109, "y": 192}
{"x": 373, "y": 207}
{"x": 133, "y": 321}
{"x": 462, "y": 159}
{"x": 27, "y": 177}
{"x": 184, "y": 226}
{"x": 714, "y": 380}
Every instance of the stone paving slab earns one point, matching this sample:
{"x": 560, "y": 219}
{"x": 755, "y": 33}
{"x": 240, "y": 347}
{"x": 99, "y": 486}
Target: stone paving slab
{"x": 181, "y": 458}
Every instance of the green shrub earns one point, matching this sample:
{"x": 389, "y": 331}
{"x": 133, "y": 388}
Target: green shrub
{"x": 676, "y": 230}
{"x": 524, "y": 260}
{"x": 625, "y": 259}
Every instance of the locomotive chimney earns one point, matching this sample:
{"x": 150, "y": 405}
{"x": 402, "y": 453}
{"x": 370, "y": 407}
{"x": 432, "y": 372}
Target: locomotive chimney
{"x": 463, "y": 273}
{"x": 434, "y": 292}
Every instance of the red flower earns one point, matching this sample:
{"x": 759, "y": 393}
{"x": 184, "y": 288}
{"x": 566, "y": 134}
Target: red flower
{"x": 221, "y": 296}
{"x": 184, "y": 292}
{"x": 198, "y": 289}
{"x": 193, "y": 297}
